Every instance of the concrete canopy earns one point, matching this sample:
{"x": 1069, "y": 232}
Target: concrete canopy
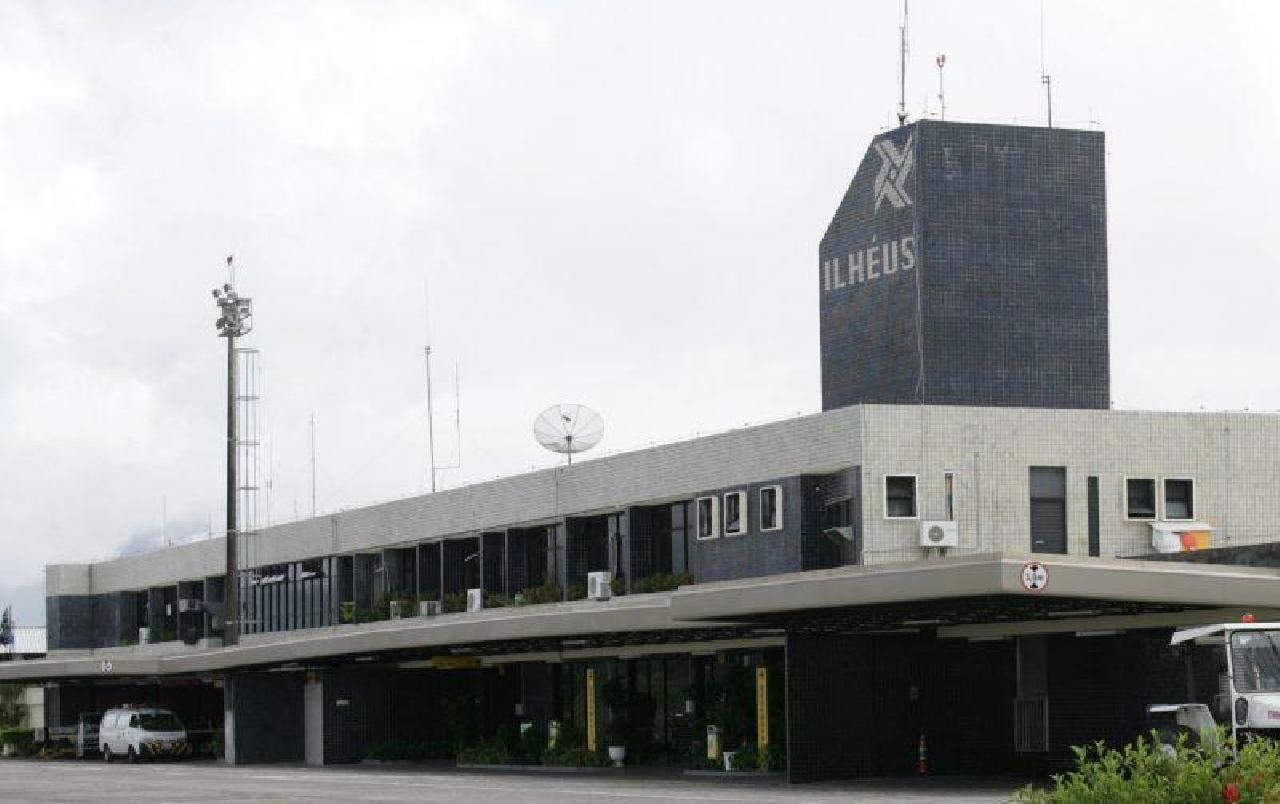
{"x": 983, "y": 589}
{"x": 963, "y": 596}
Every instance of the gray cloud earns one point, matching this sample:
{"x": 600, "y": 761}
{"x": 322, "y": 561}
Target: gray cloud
{"x": 617, "y": 204}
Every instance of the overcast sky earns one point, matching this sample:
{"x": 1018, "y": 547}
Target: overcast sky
{"x": 615, "y": 203}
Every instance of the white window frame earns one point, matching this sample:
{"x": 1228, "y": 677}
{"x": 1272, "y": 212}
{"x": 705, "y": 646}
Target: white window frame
{"x": 1155, "y": 499}
{"x": 777, "y": 508}
{"x": 1164, "y": 506}
{"x": 715, "y": 518}
{"x": 884, "y": 495}
{"x": 744, "y": 521}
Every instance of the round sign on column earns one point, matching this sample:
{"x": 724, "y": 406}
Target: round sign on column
{"x": 1035, "y": 576}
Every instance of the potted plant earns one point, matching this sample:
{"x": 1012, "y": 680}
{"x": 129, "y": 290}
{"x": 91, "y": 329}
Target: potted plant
{"x": 618, "y": 730}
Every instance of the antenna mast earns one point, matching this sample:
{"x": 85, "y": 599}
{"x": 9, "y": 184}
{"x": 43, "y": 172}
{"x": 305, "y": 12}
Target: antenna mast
{"x": 902, "y": 66}
{"x": 1045, "y": 78}
{"x": 431, "y": 419}
{"x": 431, "y": 431}
{"x": 942, "y": 95}
{"x": 313, "y": 465}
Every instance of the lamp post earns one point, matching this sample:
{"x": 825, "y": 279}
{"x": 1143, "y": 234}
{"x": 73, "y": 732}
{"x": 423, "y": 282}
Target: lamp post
{"x": 235, "y": 319}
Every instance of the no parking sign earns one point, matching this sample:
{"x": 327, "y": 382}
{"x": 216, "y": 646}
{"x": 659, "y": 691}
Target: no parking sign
{"x": 1035, "y": 576}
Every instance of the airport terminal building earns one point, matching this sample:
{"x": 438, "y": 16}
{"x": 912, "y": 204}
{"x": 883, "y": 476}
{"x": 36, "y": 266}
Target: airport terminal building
{"x": 967, "y": 548}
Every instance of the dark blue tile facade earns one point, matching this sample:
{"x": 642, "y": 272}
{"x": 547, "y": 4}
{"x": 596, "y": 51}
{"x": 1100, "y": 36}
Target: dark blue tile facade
{"x": 755, "y": 553}
{"x": 967, "y": 265}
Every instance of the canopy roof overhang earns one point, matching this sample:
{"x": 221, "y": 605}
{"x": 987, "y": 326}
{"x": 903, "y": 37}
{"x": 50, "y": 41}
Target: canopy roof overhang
{"x": 969, "y": 596}
{"x": 985, "y": 594}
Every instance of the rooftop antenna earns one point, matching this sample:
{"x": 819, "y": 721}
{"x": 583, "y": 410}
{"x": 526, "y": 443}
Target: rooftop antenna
{"x": 1045, "y": 78}
{"x": 568, "y": 429}
{"x": 313, "y": 468}
{"x": 941, "y": 61}
{"x": 426, "y": 350}
{"x": 902, "y": 66}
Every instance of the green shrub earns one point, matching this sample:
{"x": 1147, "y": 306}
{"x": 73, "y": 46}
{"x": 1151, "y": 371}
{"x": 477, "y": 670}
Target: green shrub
{"x": 577, "y": 592}
{"x": 771, "y": 758}
{"x": 347, "y": 611}
{"x": 618, "y": 586}
{"x": 22, "y": 740}
{"x": 661, "y": 582}
{"x": 1144, "y": 772}
{"x": 491, "y": 752}
{"x": 744, "y": 759}
{"x": 493, "y": 600}
{"x": 547, "y": 593}
{"x": 454, "y": 602}
{"x": 532, "y": 745}
{"x": 577, "y": 757}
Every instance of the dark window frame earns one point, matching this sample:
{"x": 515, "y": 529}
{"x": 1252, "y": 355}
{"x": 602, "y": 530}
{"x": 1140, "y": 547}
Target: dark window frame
{"x": 1190, "y": 500}
{"x": 741, "y": 498}
{"x": 1142, "y": 516}
{"x": 912, "y": 499}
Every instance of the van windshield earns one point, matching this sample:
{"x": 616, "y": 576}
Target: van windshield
{"x": 1255, "y": 661}
{"x": 159, "y": 721}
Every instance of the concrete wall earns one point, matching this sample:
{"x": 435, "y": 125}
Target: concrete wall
{"x": 820, "y": 442}
{"x": 1231, "y": 456}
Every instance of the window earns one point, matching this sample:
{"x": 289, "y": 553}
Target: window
{"x": 735, "y": 513}
{"x": 900, "y": 496}
{"x": 949, "y": 496}
{"x": 1179, "y": 499}
{"x": 708, "y": 517}
{"x": 771, "y": 508}
{"x": 1140, "y": 498}
{"x": 1048, "y": 511}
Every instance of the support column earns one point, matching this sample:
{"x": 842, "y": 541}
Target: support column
{"x": 313, "y": 719}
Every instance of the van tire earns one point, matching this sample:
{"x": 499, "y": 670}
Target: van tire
{"x": 133, "y": 756}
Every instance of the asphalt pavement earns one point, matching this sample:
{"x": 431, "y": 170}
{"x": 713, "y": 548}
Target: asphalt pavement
{"x": 68, "y": 780}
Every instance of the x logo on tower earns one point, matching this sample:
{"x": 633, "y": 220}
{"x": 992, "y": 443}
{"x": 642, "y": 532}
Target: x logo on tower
{"x": 895, "y": 167}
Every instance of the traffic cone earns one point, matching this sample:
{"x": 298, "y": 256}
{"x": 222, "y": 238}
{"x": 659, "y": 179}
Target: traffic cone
{"x": 922, "y": 757}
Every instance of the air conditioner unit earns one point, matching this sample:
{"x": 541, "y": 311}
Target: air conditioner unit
{"x": 396, "y": 608}
{"x": 939, "y": 534}
{"x": 428, "y": 608}
{"x": 599, "y": 585}
{"x": 475, "y": 599}
{"x": 187, "y": 604}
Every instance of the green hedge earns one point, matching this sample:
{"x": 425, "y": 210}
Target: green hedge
{"x": 23, "y": 740}
{"x": 1145, "y": 773}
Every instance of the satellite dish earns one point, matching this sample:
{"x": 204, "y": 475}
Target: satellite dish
{"x": 568, "y": 429}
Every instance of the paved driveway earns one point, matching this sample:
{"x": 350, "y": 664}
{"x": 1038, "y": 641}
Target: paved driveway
{"x": 65, "y": 780}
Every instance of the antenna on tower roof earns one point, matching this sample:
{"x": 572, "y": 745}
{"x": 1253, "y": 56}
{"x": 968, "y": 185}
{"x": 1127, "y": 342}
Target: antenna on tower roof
{"x": 941, "y": 61}
{"x": 902, "y": 66}
{"x": 1045, "y": 78}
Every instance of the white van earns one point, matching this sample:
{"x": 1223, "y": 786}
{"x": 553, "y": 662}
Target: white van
{"x": 142, "y": 734}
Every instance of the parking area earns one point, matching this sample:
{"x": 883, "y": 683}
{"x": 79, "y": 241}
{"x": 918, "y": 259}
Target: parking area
{"x": 23, "y": 780}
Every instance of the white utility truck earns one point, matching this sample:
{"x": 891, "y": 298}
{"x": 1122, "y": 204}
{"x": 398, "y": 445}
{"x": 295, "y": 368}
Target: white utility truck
{"x": 1248, "y": 694}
